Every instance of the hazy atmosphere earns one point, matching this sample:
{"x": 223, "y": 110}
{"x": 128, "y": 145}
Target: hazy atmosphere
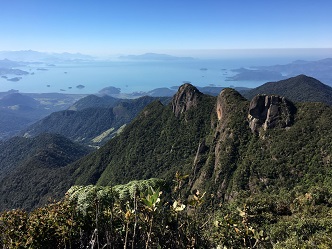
{"x": 112, "y": 27}
{"x": 166, "y": 124}
{"x": 136, "y": 46}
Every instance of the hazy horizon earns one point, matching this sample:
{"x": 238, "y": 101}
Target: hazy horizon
{"x": 296, "y": 53}
{"x": 238, "y": 33}
{"x": 106, "y": 28}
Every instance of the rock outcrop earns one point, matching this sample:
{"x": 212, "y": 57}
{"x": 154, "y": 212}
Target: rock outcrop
{"x": 270, "y": 111}
{"x": 186, "y": 97}
{"x": 227, "y": 101}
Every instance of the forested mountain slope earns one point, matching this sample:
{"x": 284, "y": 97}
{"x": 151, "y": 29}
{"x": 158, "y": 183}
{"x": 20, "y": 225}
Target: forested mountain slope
{"x": 300, "y": 88}
{"x": 31, "y": 168}
{"x": 263, "y": 169}
{"x": 94, "y": 120}
{"x": 92, "y": 101}
{"x": 18, "y": 111}
{"x": 226, "y": 144}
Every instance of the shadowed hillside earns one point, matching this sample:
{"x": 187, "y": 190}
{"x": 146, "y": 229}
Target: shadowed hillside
{"x": 300, "y": 88}
{"x": 92, "y": 120}
{"x": 31, "y": 169}
{"x": 263, "y": 165}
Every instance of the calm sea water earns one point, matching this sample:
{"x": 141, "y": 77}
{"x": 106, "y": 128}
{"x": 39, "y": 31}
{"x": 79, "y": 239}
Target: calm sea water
{"x": 133, "y": 76}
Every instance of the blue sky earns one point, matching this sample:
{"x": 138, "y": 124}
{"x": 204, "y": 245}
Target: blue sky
{"x": 111, "y": 27}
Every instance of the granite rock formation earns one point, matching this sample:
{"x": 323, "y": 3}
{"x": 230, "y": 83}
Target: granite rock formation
{"x": 270, "y": 111}
{"x": 186, "y": 97}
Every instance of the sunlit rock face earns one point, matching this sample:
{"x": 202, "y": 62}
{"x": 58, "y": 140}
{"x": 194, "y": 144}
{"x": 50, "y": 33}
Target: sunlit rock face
{"x": 270, "y": 111}
{"x": 186, "y": 97}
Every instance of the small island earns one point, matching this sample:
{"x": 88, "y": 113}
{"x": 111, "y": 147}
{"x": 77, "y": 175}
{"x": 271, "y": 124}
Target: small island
{"x": 80, "y": 86}
{"x": 15, "y": 79}
{"x": 110, "y": 90}
{"x": 12, "y": 71}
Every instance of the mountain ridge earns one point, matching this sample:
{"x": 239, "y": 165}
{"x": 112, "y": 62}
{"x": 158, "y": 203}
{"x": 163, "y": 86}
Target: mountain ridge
{"x": 211, "y": 139}
{"x": 300, "y": 88}
{"x": 91, "y": 117}
{"x": 244, "y": 172}
{"x": 28, "y": 178}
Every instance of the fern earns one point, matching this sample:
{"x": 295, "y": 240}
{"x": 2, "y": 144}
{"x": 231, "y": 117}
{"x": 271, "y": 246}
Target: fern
{"x": 86, "y": 197}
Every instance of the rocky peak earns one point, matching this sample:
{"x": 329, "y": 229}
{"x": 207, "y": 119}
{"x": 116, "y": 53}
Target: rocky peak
{"x": 269, "y": 111}
{"x": 226, "y": 102}
{"x": 220, "y": 105}
{"x": 186, "y": 97}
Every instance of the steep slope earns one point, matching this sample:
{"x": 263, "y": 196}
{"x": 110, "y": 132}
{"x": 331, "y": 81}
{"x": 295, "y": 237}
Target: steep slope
{"x": 215, "y": 142}
{"x": 18, "y": 111}
{"x": 289, "y": 149}
{"x": 157, "y": 143}
{"x": 92, "y": 101}
{"x": 228, "y": 146}
{"x": 18, "y": 99}
{"x": 12, "y": 122}
{"x": 85, "y": 125}
{"x": 30, "y": 169}
{"x": 300, "y": 88}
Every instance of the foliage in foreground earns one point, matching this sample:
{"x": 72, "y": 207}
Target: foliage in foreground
{"x": 128, "y": 216}
{"x": 141, "y": 215}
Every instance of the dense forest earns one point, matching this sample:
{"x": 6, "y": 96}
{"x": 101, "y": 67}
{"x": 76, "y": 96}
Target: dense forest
{"x": 198, "y": 172}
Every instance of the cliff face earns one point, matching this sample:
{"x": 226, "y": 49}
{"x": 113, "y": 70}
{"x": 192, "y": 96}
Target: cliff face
{"x": 237, "y": 123}
{"x": 222, "y": 154}
{"x": 186, "y": 97}
{"x": 213, "y": 140}
{"x": 270, "y": 111}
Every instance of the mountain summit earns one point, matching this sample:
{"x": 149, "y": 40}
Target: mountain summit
{"x": 186, "y": 97}
{"x": 269, "y": 160}
{"x": 300, "y": 88}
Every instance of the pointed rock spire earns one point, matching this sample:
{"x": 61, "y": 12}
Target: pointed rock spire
{"x": 186, "y": 97}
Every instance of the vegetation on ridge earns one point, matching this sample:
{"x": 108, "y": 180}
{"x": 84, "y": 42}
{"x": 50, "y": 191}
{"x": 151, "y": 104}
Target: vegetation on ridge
{"x": 89, "y": 118}
{"x": 139, "y": 215}
{"x": 300, "y": 88}
{"x": 270, "y": 189}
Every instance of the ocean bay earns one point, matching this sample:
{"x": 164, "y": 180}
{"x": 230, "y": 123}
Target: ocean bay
{"x": 133, "y": 76}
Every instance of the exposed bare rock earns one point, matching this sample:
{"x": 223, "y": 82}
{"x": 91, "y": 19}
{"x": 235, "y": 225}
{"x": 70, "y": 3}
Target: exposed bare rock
{"x": 270, "y": 111}
{"x": 186, "y": 97}
{"x": 227, "y": 101}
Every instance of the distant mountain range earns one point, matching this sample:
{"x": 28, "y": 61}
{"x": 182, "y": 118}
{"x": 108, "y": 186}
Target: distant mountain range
{"x": 320, "y": 69}
{"x": 18, "y": 111}
{"x": 5, "y": 63}
{"x": 165, "y": 92}
{"x": 35, "y": 56}
{"x": 92, "y": 120}
{"x": 213, "y": 139}
{"x": 154, "y": 57}
{"x": 256, "y": 169}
